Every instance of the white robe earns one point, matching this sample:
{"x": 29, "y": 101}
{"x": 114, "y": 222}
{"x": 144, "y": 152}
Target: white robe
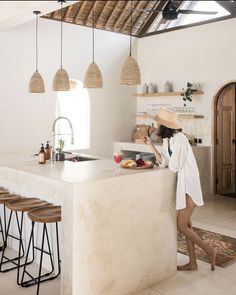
{"x": 183, "y": 162}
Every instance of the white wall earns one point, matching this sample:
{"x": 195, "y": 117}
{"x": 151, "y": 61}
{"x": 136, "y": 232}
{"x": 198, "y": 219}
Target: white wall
{"x": 203, "y": 54}
{"x": 26, "y": 119}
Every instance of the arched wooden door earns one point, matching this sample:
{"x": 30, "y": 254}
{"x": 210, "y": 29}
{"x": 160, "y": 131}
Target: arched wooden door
{"x": 225, "y": 145}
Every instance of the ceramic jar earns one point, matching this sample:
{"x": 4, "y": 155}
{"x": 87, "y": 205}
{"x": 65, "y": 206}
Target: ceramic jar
{"x": 168, "y": 87}
{"x": 145, "y": 89}
{"x": 150, "y": 88}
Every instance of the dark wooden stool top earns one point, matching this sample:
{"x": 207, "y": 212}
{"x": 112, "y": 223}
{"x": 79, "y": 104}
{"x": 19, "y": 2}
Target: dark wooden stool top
{"x": 47, "y": 214}
{"x": 25, "y": 204}
{"x": 3, "y": 191}
{"x": 4, "y": 198}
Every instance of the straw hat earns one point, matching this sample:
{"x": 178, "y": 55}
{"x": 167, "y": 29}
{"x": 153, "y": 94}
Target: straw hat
{"x": 167, "y": 118}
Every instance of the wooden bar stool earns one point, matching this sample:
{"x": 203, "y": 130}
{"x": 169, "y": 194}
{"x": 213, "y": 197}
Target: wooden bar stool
{"x": 18, "y": 205}
{"x": 4, "y": 198}
{"x": 45, "y": 215}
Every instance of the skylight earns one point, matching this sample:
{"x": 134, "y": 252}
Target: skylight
{"x": 187, "y": 19}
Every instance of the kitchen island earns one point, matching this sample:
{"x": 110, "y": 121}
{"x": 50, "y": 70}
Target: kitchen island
{"x": 118, "y": 229}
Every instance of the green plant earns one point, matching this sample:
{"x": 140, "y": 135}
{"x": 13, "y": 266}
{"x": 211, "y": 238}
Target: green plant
{"x": 61, "y": 144}
{"x": 187, "y": 93}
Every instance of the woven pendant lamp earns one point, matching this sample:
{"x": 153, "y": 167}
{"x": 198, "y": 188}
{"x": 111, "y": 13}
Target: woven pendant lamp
{"x": 61, "y": 79}
{"x": 93, "y": 75}
{"x": 36, "y": 84}
{"x": 130, "y": 73}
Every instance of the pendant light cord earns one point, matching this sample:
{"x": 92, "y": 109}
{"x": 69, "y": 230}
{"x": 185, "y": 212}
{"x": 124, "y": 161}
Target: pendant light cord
{"x": 36, "y": 43}
{"x": 131, "y": 26}
{"x": 61, "y": 34}
{"x": 93, "y": 33}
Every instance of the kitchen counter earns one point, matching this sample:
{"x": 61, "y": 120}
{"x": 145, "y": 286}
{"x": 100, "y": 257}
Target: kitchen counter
{"x": 118, "y": 230}
{"x": 202, "y": 154}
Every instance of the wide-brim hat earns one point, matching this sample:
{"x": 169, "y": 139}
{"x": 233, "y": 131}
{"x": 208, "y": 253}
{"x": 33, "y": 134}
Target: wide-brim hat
{"x": 167, "y": 118}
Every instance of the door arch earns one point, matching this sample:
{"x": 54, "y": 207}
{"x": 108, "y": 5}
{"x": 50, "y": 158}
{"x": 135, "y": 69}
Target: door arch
{"x": 224, "y": 140}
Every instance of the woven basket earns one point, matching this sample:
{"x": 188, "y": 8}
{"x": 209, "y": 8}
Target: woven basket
{"x": 93, "y": 77}
{"x": 61, "y": 81}
{"x": 36, "y": 84}
{"x": 130, "y": 73}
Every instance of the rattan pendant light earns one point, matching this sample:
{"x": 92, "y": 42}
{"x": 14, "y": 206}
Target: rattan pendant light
{"x": 36, "y": 84}
{"x": 61, "y": 80}
{"x": 93, "y": 75}
{"x": 130, "y": 73}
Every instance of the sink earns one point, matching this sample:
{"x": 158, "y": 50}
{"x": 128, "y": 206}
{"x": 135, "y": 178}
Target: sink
{"x": 80, "y": 159}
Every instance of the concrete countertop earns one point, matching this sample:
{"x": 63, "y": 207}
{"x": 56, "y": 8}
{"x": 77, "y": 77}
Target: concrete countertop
{"x": 67, "y": 171}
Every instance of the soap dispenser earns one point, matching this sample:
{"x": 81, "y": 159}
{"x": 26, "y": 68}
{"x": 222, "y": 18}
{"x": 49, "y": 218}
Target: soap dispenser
{"x": 42, "y": 155}
{"x": 48, "y": 151}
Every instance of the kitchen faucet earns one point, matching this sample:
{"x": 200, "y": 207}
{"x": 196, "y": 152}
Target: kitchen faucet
{"x": 54, "y": 135}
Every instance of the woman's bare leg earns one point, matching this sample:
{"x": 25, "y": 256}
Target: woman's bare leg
{"x": 192, "y": 265}
{"x": 183, "y": 220}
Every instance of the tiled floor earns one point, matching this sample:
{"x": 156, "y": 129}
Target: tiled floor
{"x": 219, "y": 215}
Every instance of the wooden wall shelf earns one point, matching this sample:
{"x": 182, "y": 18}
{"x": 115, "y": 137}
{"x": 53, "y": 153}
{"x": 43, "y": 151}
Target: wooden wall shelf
{"x": 181, "y": 116}
{"x": 175, "y": 93}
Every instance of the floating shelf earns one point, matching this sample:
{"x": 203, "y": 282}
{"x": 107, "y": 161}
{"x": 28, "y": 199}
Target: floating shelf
{"x": 176, "y": 93}
{"x": 181, "y": 116}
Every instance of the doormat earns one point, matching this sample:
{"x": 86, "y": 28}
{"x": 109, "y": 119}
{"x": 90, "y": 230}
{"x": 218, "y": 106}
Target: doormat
{"x": 224, "y": 245}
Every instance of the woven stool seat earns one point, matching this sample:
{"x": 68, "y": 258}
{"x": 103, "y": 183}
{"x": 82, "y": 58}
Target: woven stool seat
{"x": 47, "y": 214}
{"x": 3, "y": 191}
{"x": 25, "y": 204}
{"x": 4, "y": 198}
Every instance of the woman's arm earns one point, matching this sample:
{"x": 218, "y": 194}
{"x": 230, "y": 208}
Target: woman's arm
{"x": 155, "y": 151}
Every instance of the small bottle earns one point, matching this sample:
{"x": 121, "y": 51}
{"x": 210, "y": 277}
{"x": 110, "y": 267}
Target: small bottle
{"x": 42, "y": 155}
{"x": 48, "y": 151}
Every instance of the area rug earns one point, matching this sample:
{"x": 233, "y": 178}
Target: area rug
{"x": 224, "y": 245}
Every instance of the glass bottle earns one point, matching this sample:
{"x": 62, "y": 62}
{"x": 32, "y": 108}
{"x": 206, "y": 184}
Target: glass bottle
{"x": 42, "y": 155}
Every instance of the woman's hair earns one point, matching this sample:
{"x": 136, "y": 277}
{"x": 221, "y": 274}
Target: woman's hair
{"x": 165, "y": 132}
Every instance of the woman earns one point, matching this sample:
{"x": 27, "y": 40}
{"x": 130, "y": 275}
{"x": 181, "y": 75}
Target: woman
{"x": 177, "y": 154}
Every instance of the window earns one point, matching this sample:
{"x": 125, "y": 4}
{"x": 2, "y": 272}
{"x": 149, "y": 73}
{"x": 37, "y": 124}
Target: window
{"x": 75, "y": 105}
{"x": 187, "y": 19}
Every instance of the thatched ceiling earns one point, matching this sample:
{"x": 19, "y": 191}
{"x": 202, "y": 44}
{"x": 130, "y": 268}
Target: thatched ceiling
{"x": 112, "y": 16}
{"x": 115, "y": 15}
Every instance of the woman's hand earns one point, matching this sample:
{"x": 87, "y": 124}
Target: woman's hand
{"x": 147, "y": 140}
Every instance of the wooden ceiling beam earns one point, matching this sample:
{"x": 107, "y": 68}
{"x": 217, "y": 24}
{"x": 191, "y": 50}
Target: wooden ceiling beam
{"x": 68, "y": 11}
{"x": 102, "y": 11}
{"x": 128, "y": 21}
{"x": 142, "y": 16}
{"x": 125, "y": 11}
{"x": 79, "y": 11}
{"x": 91, "y": 12}
{"x": 111, "y": 15}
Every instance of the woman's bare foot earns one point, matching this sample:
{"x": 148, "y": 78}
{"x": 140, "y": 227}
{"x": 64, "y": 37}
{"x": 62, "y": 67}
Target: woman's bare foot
{"x": 188, "y": 266}
{"x": 212, "y": 257}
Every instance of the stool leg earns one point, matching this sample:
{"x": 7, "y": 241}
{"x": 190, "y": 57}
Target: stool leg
{"x": 20, "y": 246}
{"x": 58, "y": 252}
{"x": 5, "y": 243}
{"x": 49, "y": 252}
{"x": 5, "y": 228}
{"x": 46, "y": 276}
{"x": 1, "y": 229}
{"x": 5, "y": 221}
{"x": 41, "y": 258}
{"x": 31, "y": 240}
{"x": 15, "y": 261}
